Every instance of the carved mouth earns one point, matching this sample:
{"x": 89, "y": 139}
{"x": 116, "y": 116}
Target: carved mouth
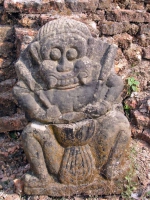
{"x": 67, "y": 82}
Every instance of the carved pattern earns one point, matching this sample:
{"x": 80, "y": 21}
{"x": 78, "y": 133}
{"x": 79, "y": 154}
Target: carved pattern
{"x": 78, "y": 166}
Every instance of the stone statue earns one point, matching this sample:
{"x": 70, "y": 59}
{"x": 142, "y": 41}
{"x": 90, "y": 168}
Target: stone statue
{"x": 77, "y": 135}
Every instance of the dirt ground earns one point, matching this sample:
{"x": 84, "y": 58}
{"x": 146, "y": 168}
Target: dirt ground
{"x": 13, "y": 166}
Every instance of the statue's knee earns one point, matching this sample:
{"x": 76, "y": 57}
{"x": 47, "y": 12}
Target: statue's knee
{"x": 27, "y": 131}
{"x": 125, "y": 135}
{"x": 33, "y": 128}
{"x": 36, "y": 130}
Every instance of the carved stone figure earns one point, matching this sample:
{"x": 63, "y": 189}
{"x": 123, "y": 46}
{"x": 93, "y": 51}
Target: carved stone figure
{"x": 78, "y": 138}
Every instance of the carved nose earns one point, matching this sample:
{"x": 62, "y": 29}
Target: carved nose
{"x": 65, "y": 65}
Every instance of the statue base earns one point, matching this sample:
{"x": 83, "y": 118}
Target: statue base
{"x": 100, "y": 186}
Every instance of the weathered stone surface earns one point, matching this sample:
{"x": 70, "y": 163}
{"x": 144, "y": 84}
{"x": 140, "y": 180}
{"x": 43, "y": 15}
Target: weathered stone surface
{"x": 44, "y": 18}
{"x": 132, "y": 4}
{"x": 122, "y": 3}
{"x": 6, "y": 48}
{"x": 82, "y": 5}
{"x": 127, "y": 15}
{"x": 15, "y": 122}
{"x": 98, "y": 187}
{"x": 141, "y": 120}
{"x": 113, "y": 28}
{"x": 123, "y": 40}
{"x": 133, "y": 30}
{"x": 12, "y": 197}
{"x": 7, "y": 85}
{"x": 121, "y": 64}
{"x": 45, "y": 6}
{"x": 143, "y": 40}
{"x": 29, "y": 20}
{"x": 70, "y": 95}
{"x": 146, "y": 52}
{"x": 6, "y": 33}
{"x": 145, "y": 135}
{"x": 103, "y": 4}
{"x": 7, "y": 72}
{"x": 145, "y": 29}
{"x": 141, "y": 134}
{"x": 101, "y": 15}
{"x": 7, "y": 105}
{"x": 3, "y": 16}
{"x": 23, "y": 37}
{"x": 134, "y": 54}
{"x": 143, "y": 71}
{"x": 35, "y": 6}
{"x": 5, "y": 62}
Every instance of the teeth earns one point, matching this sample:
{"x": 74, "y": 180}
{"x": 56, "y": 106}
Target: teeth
{"x": 72, "y": 81}
{"x": 83, "y": 81}
{"x": 63, "y": 82}
{"x": 75, "y": 80}
{"x": 83, "y": 77}
{"x": 66, "y": 82}
{"x": 52, "y": 81}
{"x": 59, "y": 82}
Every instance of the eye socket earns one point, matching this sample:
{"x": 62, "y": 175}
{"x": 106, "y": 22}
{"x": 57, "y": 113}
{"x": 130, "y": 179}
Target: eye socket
{"x": 55, "y": 54}
{"x": 71, "y": 54}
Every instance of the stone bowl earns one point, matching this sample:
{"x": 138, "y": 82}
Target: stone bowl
{"x": 74, "y": 134}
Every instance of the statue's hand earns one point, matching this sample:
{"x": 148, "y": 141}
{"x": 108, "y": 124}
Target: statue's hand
{"x": 52, "y": 114}
{"x": 97, "y": 109}
{"x": 72, "y": 117}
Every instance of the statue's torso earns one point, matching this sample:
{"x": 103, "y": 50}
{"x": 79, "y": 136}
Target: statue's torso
{"x": 71, "y": 99}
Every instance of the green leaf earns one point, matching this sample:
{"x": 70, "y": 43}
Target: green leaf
{"x": 132, "y": 79}
{"x": 126, "y": 107}
{"x": 134, "y": 88}
{"x": 129, "y": 82}
{"x": 13, "y": 135}
{"x": 136, "y": 83}
{"x": 129, "y": 91}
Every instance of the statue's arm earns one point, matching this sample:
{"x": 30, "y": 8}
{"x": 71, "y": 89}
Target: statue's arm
{"x": 72, "y": 117}
{"x": 111, "y": 90}
{"x": 33, "y": 109}
{"x": 115, "y": 86}
{"x": 27, "y": 100}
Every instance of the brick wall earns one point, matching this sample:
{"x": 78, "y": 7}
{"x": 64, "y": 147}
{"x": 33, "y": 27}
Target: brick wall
{"x": 122, "y": 22}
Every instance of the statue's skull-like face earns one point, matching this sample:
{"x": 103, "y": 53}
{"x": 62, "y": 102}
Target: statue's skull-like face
{"x": 64, "y": 63}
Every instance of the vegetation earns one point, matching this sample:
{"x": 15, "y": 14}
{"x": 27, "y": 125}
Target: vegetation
{"x": 127, "y": 110}
{"x": 132, "y": 85}
{"x": 130, "y": 184}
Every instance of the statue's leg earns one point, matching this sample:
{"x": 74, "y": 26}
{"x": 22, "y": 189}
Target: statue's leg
{"x": 118, "y": 159}
{"x": 111, "y": 144}
{"x": 43, "y": 153}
